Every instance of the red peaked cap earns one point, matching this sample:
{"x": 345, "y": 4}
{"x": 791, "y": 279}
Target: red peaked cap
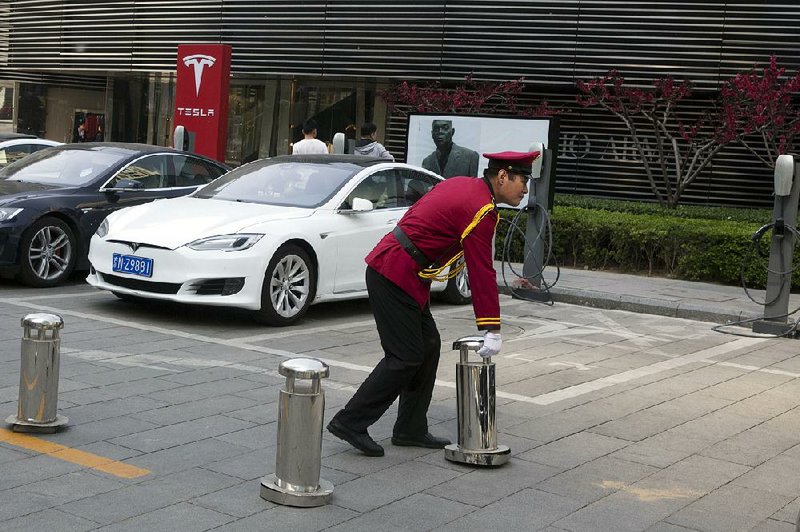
{"x": 515, "y": 161}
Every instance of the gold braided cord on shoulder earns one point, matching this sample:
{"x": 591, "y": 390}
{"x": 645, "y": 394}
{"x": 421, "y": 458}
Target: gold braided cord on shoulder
{"x": 435, "y": 274}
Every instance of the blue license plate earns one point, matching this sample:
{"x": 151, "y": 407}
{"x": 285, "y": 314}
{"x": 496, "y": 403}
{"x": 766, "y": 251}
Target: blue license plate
{"x": 132, "y": 264}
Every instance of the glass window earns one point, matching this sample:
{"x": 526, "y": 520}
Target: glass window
{"x": 192, "y": 172}
{"x": 6, "y": 102}
{"x": 381, "y": 188}
{"x": 66, "y": 167}
{"x": 150, "y": 172}
{"x": 270, "y": 181}
{"x": 12, "y": 154}
{"x": 415, "y": 185}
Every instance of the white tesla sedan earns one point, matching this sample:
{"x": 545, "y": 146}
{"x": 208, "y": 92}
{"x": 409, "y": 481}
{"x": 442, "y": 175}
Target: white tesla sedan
{"x": 273, "y": 236}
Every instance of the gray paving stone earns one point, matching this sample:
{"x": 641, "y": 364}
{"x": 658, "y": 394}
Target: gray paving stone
{"x": 178, "y": 517}
{"x": 95, "y": 431}
{"x": 645, "y": 503}
{"x": 771, "y": 525}
{"x": 528, "y": 509}
{"x": 17, "y": 503}
{"x": 574, "y": 450}
{"x": 729, "y": 508}
{"x": 183, "y": 457}
{"x": 181, "y": 433}
{"x": 121, "y": 504}
{"x": 294, "y": 519}
{"x": 482, "y": 486}
{"x": 184, "y": 394}
{"x": 33, "y": 469}
{"x": 596, "y": 479}
{"x": 382, "y": 487}
{"x": 51, "y": 520}
{"x": 169, "y": 415}
{"x": 72, "y": 486}
{"x": 254, "y": 437}
{"x": 240, "y": 500}
{"x": 249, "y": 465}
{"x": 752, "y": 447}
{"x": 789, "y": 513}
{"x": 86, "y": 413}
{"x": 778, "y": 475}
{"x": 417, "y": 512}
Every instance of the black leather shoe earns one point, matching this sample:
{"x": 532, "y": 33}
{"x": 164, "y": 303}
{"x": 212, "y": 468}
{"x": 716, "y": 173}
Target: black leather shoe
{"x": 429, "y": 441}
{"x": 360, "y": 440}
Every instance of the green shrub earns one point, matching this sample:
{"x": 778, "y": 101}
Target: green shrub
{"x": 697, "y": 249}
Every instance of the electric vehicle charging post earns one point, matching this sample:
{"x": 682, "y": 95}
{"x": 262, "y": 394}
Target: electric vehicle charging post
{"x": 540, "y": 194}
{"x": 779, "y": 278}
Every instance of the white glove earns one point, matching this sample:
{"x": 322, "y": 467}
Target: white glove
{"x": 491, "y": 344}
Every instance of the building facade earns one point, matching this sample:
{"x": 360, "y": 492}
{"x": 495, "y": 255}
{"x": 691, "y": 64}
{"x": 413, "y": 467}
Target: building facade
{"x": 110, "y": 67}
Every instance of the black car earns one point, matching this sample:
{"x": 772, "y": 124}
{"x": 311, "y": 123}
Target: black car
{"x": 52, "y": 202}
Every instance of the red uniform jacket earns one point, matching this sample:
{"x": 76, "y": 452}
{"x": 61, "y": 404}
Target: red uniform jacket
{"x": 435, "y": 224}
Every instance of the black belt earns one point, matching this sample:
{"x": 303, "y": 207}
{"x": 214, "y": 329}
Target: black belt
{"x": 418, "y": 256}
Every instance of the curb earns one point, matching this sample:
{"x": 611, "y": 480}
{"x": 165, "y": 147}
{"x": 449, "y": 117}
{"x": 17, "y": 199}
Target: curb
{"x": 644, "y": 305}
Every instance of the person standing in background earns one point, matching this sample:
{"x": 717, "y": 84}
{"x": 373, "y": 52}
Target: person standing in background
{"x": 369, "y": 146}
{"x": 310, "y": 144}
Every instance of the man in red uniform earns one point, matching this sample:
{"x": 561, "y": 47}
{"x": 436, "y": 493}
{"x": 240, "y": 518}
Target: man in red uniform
{"x": 456, "y": 218}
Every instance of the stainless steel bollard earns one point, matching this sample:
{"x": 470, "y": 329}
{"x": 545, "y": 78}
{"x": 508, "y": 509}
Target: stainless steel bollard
{"x": 301, "y": 407}
{"x": 38, "y": 376}
{"x": 475, "y": 397}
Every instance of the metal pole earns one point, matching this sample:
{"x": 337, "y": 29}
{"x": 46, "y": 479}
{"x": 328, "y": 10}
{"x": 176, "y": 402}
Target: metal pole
{"x": 301, "y": 406}
{"x": 475, "y": 399}
{"x": 40, "y": 353}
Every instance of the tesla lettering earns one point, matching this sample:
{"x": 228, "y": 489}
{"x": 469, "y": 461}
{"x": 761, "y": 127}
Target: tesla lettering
{"x": 194, "y": 111}
{"x": 198, "y": 62}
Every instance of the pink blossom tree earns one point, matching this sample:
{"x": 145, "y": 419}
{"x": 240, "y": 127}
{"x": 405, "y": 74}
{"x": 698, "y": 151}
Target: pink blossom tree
{"x": 673, "y": 148}
{"x": 760, "y": 106}
{"x": 469, "y": 97}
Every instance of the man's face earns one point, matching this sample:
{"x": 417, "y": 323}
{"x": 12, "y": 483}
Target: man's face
{"x": 442, "y": 132}
{"x": 511, "y": 188}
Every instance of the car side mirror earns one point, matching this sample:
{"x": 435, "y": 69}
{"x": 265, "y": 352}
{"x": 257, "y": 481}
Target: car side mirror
{"x": 359, "y": 205}
{"x": 362, "y": 205}
{"x": 127, "y": 184}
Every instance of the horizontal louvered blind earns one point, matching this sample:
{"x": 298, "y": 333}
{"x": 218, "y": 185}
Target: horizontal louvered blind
{"x": 551, "y": 43}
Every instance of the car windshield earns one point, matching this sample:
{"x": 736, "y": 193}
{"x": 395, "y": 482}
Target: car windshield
{"x": 294, "y": 184}
{"x": 62, "y": 167}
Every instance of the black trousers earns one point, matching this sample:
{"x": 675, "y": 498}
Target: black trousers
{"x": 411, "y": 346}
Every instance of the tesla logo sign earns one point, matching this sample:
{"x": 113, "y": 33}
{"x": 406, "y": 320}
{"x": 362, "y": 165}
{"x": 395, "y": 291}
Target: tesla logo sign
{"x": 201, "y": 96}
{"x": 198, "y": 62}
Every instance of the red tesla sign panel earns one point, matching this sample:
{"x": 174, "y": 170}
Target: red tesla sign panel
{"x": 201, "y": 96}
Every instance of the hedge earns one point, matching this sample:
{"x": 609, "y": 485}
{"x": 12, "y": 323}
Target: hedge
{"x": 694, "y": 249}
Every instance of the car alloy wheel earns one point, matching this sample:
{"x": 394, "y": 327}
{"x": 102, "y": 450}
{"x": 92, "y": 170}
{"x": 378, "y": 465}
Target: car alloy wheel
{"x": 289, "y": 286}
{"x": 458, "y": 291}
{"x": 48, "y": 253}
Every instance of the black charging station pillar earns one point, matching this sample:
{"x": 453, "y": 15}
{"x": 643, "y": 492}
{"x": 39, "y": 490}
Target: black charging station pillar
{"x": 779, "y": 278}
{"x": 539, "y": 197}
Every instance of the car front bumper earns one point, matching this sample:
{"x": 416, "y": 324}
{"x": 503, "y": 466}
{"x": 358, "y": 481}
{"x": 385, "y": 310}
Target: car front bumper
{"x": 183, "y": 275}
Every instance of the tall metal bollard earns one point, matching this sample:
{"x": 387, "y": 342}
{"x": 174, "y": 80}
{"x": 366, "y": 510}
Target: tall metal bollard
{"x": 475, "y": 398}
{"x": 301, "y": 407}
{"x": 40, "y": 356}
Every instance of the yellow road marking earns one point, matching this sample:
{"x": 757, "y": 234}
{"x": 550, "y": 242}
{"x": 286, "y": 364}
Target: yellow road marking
{"x": 62, "y": 452}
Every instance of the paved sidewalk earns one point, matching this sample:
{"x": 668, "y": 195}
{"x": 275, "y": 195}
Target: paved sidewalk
{"x": 617, "y": 421}
{"x": 651, "y": 295}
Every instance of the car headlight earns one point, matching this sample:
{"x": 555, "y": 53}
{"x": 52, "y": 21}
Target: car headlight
{"x": 236, "y": 242}
{"x": 7, "y": 213}
{"x": 103, "y": 229}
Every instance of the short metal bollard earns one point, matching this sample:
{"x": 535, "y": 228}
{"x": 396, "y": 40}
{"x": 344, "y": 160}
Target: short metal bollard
{"x": 40, "y": 356}
{"x": 475, "y": 397}
{"x": 301, "y": 407}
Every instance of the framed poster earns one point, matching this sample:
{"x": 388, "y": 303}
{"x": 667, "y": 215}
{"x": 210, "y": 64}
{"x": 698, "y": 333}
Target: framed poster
{"x": 452, "y": 145}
